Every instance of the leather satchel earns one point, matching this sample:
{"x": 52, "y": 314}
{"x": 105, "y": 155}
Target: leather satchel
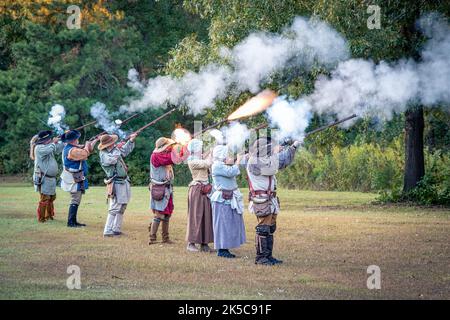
{"x": 206, "y": 188}
{"x": 262, "y": 209}
{"x": 227, "y": 194}
{"x": 157, "y": 191}
{"x": 78, "y": 176}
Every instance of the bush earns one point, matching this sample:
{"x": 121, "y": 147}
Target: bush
{"x": 360, "y": 167}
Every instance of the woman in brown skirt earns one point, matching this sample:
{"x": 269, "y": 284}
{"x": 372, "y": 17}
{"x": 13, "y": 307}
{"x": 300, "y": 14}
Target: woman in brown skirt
{"x": 200, "y": 229}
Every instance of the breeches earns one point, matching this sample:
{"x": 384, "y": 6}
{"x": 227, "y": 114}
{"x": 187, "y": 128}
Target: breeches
{"x": 75, "y": 197}
{"x": 160, "y": 216}
{"x": 116, "y": 208}
{"x": 269, "y": 220}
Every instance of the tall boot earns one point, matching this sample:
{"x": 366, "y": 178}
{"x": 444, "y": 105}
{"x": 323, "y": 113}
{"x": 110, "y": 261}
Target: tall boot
{"x": 117, "y": 228}
{"x": 270, "y": 248}
{"x": 153, "y": 229}
{"x": 165, "y": 231}
{"x": 72, "y": 218}
{"x": 108, "y": 231}
{"x": 76, "y": 221}
{"x": 262, "y": 245}
{"x": 272, "y": 230}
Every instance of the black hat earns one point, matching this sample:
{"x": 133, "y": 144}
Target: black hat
{"x": 44, "y": 136}
{"x": 70, "y": 135}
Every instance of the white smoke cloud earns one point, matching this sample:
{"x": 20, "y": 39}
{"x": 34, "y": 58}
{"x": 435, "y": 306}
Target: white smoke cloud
{"x": 291, "y": 117}
{"x": 133, "y": 80}
{"x": 218, "y": 135}
{"x": 105, "y": 119}
{"x": 56, "y": 119}
{"x": 305, "y": 42}
{"x": 252, "y": 62}
{"x": 235, "y": 135}
{"x": 376, "y": 90}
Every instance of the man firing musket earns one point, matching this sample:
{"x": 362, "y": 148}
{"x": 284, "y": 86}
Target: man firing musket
{"x": 43, "y": 149}
{"x": 265, "y": 160}
{"x": 117, "y": 181}
{"x": 74, "y": 176}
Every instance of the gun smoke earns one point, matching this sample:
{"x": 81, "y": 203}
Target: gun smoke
{"x": 56, "y": 119}
{"x": 251, "y": 63}
{"x": 375, "y": 90}
{"x": 105, "y": 119}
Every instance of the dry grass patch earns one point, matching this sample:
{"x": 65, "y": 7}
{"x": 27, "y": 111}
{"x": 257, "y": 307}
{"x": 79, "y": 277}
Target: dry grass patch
{"x": 327, "y": 240}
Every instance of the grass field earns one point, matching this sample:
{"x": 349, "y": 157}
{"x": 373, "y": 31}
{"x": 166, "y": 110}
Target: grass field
{"x": 327, "y": 240}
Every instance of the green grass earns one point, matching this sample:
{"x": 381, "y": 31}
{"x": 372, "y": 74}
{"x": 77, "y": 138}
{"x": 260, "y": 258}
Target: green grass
{"x": 327, "y": 240}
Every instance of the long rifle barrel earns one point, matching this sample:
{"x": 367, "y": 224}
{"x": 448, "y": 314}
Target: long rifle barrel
{"x": 119, "y": 125}
{"x": 85, "y": 125}
{"x": 330, "y": 125}
{"x": 138, "y": 131}
{"x": 210, "y": 127}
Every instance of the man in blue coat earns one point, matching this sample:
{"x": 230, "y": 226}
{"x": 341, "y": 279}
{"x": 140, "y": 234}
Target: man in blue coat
{"x": 75, "y": 170}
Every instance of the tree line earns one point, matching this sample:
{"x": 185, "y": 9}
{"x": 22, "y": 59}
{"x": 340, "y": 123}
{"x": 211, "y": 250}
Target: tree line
{"x": 42, "y": 62}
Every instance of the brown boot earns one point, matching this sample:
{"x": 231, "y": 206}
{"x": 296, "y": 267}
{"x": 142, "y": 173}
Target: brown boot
{"x": 153, "y": 229}
{"x": 165, "y": 231}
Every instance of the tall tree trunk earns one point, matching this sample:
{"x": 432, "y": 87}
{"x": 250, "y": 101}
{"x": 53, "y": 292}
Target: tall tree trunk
{"x": 414, "y": 156}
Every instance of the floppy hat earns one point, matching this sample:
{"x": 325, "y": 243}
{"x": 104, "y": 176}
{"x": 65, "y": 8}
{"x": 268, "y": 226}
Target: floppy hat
{"x": 163, "y": 143}
{"x": 107, "y": 140}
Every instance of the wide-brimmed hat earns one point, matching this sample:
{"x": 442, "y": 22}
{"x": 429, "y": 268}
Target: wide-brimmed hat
{"x": 70, "y": 135}
{"x": 107, "y": 141}
{"x": 163, "y": 143}
{"x": 44, "y": 136}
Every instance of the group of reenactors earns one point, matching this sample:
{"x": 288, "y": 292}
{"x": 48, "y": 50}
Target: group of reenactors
{"x": 215, "y": 203}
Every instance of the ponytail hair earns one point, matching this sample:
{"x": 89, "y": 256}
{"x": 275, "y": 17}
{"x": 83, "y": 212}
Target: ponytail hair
{"x": 32, "y": 146}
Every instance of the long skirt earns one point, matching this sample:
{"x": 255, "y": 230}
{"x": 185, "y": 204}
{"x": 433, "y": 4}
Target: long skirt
{"x": 200, "y": 227}
{"x": 228, "y": 225}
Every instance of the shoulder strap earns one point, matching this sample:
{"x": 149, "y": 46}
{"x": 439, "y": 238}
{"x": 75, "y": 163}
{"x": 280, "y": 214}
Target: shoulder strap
{"x": 269, "y": 191}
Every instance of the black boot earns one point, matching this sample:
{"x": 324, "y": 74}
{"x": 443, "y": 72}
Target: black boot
{"x": 72, "y": 221}
{"x": 270, "y": 248}
{"x": 262, "y": 246}
{"x": 72, "y": 218}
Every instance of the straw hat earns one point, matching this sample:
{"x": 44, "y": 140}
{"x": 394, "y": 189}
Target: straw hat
{"x": 163, "y": 143}
{"x": 107, "y": 140}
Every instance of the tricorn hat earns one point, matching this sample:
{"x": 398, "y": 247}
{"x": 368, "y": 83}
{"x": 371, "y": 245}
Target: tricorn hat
{"x": 107, "y": 140}
{"x": 44, "y": 136}
{"x": 70, "y": 135}
{"x": 163, "y": 143}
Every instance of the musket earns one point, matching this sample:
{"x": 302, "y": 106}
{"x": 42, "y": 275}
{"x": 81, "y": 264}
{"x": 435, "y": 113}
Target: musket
{"x": 261, "y": 126}
{"x": 84, "y": 126}
{"x": 330, "y": 125}
{"x": 138, "y": 131}
{"x": 119, "y": 125}
{"x": 333, "y": 124}
{"x": 210, "y": 127}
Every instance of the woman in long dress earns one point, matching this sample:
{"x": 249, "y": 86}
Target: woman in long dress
{"x": 200, "y": 226}
{"x": 227, "y": 204}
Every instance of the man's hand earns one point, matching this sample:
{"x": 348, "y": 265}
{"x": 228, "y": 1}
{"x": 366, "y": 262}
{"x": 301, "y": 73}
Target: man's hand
{"x": 55, "y": 139}
{"x": 133, "y": 137}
